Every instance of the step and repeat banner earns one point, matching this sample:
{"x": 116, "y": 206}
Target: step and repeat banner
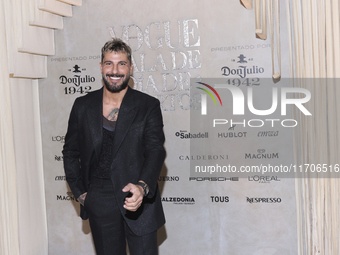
{"x": 221, "y": 185}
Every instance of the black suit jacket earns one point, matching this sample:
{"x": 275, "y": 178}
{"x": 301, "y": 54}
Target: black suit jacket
{"x": 138, "y": 152}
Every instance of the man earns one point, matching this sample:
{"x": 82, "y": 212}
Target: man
{"x": 113, "y": 155}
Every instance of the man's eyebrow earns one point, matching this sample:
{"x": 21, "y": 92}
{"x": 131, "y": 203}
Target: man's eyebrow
{"x": 110, "y": 61}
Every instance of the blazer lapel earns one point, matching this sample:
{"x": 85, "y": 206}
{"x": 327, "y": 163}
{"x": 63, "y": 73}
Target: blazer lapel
{"x": 95, "y": 121}
{"x": 126, "y": 116}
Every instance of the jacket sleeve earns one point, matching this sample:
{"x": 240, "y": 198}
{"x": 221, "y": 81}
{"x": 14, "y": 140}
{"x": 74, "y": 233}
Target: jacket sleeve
{"x": 154, "y": 153}
{"x": 71, "y": 153}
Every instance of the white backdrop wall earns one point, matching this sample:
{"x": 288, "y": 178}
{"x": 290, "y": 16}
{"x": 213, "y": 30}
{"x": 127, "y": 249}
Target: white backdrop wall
{"x": 173, "y": 42}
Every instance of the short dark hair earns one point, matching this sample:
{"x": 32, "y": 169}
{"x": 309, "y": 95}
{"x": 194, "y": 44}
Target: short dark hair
{"x": 116, "y": 45}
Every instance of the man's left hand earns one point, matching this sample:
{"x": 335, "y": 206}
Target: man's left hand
{"x": 133, "y": 203}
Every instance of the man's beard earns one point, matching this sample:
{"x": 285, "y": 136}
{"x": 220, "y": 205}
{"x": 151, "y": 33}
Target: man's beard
{"x": 113, "y": 88}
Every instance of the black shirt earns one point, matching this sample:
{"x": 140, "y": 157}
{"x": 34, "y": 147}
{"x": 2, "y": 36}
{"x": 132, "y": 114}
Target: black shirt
{"x": 103, "y": 169}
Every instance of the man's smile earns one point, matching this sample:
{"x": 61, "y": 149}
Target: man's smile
{"x": 115, "y": 77}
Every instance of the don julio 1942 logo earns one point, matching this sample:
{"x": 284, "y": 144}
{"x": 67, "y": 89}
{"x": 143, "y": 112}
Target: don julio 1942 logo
{"x": 78, "y": 83}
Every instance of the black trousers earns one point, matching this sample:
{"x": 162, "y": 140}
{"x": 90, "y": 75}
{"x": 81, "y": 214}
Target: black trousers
{"x": 109, "y": 230}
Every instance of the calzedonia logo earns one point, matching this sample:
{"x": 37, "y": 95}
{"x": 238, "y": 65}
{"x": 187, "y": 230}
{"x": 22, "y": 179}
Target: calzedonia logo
{"x": 183, "y": 134}
{"x": 179, "y": 200}
{"x": 243, "y": 103}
